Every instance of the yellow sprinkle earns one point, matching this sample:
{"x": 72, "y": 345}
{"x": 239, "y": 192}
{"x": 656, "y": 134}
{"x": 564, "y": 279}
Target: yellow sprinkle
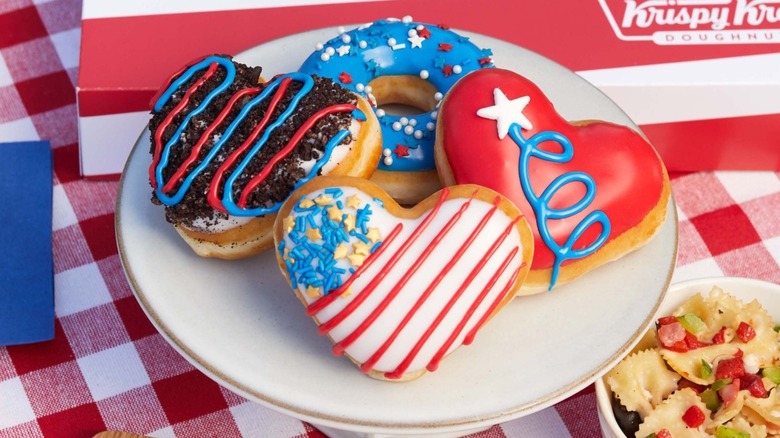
{"x": 356, "y": 259}
{"x": 349, "y": 222}
{"x": 341, "y": 251}
{"x": 353, "y": 202}
{"x": 373, "y": 234}
{"x": 334, "y": 213}
{"x": 323, "y": 200}
{"x": 346, "y": 293}
{"x": 313, "y": 292}
{"x": 361, "y": 248}
{"x": 314, "y": 234}
{"x": 305, "y": 203}
{"x": 288, "y": 223}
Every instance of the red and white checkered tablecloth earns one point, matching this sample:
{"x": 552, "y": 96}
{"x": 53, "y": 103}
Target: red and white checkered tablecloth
{"x": 108, "y": 368}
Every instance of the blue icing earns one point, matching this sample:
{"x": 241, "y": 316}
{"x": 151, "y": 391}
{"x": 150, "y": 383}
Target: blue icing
{"x": 541, "y": 203}
{"x": 378, "y": 58}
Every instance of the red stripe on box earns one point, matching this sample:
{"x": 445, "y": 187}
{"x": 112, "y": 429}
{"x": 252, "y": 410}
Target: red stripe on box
{"x": 162, "y": 43}
{"x": 21, "y": 25}
{"x": 735, "y": 143}
{"x": 46, "y": 93}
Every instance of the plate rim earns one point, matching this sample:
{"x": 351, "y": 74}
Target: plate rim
{"x": 343, "y": 422}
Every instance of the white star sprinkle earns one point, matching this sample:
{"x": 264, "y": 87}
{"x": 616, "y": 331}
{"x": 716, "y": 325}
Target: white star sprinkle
{"x": 505, "y": 112}
{"x": 416, "y": 41}
{"x": 343, "y": 50}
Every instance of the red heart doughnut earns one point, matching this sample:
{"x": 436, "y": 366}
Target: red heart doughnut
{"x": 592, "y": 191}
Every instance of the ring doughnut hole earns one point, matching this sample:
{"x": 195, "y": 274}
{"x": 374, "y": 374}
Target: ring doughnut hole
{"x": 403, "y": 94}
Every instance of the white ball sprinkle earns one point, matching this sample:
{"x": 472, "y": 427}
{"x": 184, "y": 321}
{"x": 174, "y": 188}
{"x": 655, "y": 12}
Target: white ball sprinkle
{"x": 369, "y": 89}
{"x": 404, "y": 121}
{"x": 457, "y": 69}
{"x": 408, "y": 130}
{"x": 387, "y": 152}
{"x": 341, "y": 29}
{"x": 424, "y": 74}
{"x": 346, "y": 38}
{"x": 319, "y": 46}
{"x": 412, "y": 122}
{"x": 360, "y": 87}
{"x": 362, "y": 44}
{"x": 438, "y": 96}
{"x": 388, "y": 161}
{"x": 380, "y": 112}
{"x": 420, "y": 27}
{"x": 412, "y": 32}
{"x": 418, "y": 134}
{"x": 434, "y": 115}
{"x": 430, "y": 126}
{"x": 330, "y": 51}
{"x": 391, "y": 41}
{"x": 325, "y": 57}
{"x": 397, "y": 126}
{"x": 407, "y": 19}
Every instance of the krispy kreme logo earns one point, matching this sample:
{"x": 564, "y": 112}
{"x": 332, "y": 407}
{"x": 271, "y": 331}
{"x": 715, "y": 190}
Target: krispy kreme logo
{"x": 671, "y": 22}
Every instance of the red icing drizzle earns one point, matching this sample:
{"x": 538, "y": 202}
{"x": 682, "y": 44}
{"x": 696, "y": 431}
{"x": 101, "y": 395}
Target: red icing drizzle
{"x": 288, "y": 148}
{"x": 339, "y": 348}
{"x": 473, "y": 332}
{"x": 628, "y": 173}
{"x": 347, "y": 310}
{"x": 158, "y": 146}
{"x": 212, "y": 194}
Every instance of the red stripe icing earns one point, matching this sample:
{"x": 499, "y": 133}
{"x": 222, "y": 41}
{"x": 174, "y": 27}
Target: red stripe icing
{"x": 471, "y": 334}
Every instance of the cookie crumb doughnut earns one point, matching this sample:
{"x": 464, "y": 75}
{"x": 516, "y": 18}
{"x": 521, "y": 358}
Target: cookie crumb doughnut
{"x": 401, "y": 62}
{"x": 593, "y": 191}
{"x": 398, "y": 289}
{"x": 227, "y": 151}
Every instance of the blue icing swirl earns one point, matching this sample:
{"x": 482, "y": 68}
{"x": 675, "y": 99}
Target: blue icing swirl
{"x": 365, "y": 53}
{"x": 541, "y": 204}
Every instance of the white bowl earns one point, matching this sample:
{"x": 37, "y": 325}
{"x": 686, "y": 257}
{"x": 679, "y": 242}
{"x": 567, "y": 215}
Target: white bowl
{"x": 745, "y": 289}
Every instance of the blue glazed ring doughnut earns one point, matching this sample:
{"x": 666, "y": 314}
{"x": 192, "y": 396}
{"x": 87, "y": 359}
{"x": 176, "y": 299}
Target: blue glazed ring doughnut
{"x": 427, "y": 54}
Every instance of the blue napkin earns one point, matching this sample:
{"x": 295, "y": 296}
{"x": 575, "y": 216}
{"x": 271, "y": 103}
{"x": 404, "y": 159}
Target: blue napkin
{"x": 26, "y": 272}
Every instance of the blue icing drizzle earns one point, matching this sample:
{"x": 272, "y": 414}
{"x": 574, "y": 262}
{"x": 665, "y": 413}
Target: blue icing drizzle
{"x": 541, "y": 204}
{"x": 370, "y": 56}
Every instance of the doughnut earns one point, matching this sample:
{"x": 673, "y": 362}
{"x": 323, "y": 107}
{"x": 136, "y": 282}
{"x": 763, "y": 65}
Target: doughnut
{"x": 397, "y": 289}
{"x": 227, "y": 150}
{"x": 401, "y": 62}
{"x": 593, "y": 191}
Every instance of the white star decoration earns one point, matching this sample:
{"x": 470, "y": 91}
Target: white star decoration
{"x": 343, "y": 50}
{"x": 416, "y": 41}
{"x": 505, "y": 112}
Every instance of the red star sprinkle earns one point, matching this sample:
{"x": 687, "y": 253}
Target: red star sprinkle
{"x": 424, "y": 32}
{"x": 345, "y": 78}
{"x": 401, "y": 150}
{"x": 483, "y": 61}
{"x": 447, "y": 70}
{"x": 445, "y": 47}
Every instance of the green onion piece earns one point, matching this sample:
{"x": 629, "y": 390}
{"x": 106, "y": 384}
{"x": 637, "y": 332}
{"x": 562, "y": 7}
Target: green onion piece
{"x": 710, "y": 398}
{"x": 720, "y": 383}
{"x": 772, "y": 373}
{"x": 706, "y": 370}
{"x": 727, "y": 432}
{"x": 776, "y": 328}
{"x": 652, "y": 435}
{"x": 692, "y": 323}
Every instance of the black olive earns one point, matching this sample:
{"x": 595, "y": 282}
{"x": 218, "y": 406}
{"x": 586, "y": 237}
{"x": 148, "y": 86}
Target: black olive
{"x": 628, "y": 421}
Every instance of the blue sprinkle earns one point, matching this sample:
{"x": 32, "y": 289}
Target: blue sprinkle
{"x": 293, "y": 282}
{"x": 328, "y": 284}
{"x": 339, "y": 270}
{"x": 300, "y": 224}
{"x": 363, "y": 238}
{"x": 351, "y": 270}
{"x": 379, "y": 201}
{"x": 376, "y": 246}
{"x": 280, "y": 248}
{"x": 294, "y": 236}
{"x": 339, "y": 204}
{"x": 305, "y": 270}
{"x": 334, "y": 192}
{"x": 364, "y": 227}
{"x": 317, "y": 283}
{"x": 330, "y": 265}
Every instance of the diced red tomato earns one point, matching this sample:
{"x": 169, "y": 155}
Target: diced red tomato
{"x": 730, "y": 368}
{"x": 739, "y": 353}
{"x": 663, "y": 433}
{"x": 729, "y": 392}
{"x": 664, "y": 320}
{"x": 685, "y": 383}
{"x": 719, "y": 337}
{"x": 745, "y": 332}
{"x": 693, "y": 417}
{"x": 693, "y": 342}
{"x": 754, "y": 384}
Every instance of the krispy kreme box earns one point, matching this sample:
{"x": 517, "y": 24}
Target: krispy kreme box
{"x": 701, "y": 77}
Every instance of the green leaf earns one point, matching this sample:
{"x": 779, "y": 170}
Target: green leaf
{"x": 692, "y": 323}
{"x": 706, "y": 370}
